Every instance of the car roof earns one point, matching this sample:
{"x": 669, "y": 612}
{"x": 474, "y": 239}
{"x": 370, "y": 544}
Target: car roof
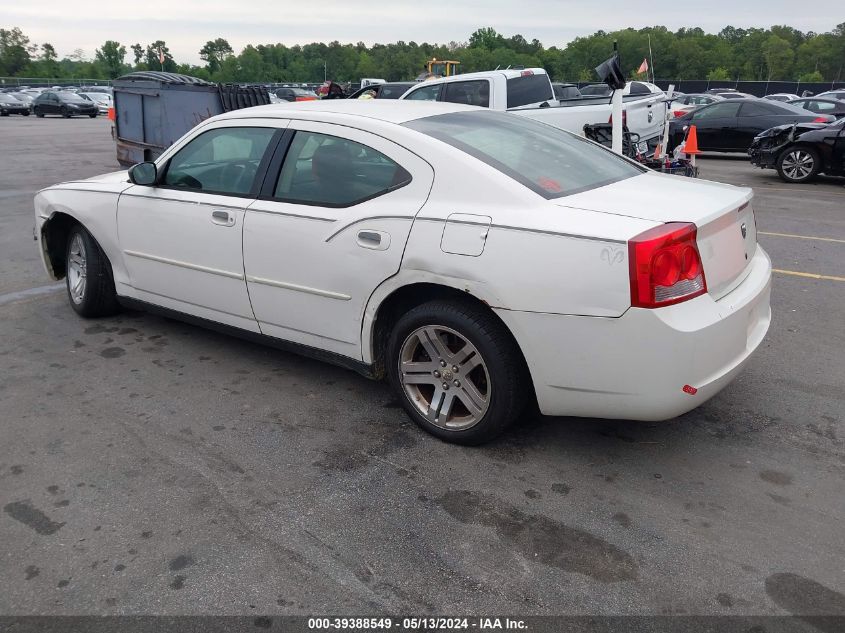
{"x": 386, "y": 110}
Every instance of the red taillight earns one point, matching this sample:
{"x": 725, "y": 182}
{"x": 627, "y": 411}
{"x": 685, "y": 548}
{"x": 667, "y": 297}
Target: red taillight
{"x": 665, "y": 266}
{"x": 679, "y": 113}
{"x": 821, "y": 119}
{"x": 624, "y": 118}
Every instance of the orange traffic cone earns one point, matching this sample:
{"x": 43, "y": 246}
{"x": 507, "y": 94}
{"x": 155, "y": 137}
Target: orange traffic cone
{"x": 111, "y": 114}
{"x": 691, "y": 148}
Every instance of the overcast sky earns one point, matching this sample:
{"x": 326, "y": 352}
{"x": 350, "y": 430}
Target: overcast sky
{"x": 187, "y": 24}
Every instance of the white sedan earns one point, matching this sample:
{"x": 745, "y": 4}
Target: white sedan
{"x": 477, "y": 260}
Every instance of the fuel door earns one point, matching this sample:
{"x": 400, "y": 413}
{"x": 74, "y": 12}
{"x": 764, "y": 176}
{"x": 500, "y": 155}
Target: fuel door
{"x": 465, "y": 234}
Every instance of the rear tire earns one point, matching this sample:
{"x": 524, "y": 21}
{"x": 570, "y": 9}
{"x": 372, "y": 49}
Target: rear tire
{"x": 38, "y": 113}
{"x": 798, "y": 164}
{"x": 88, "y": 276}
{"x": 457, "y": 371}
{"x": 93, "y": 116}
{"x": 25, "y": 113}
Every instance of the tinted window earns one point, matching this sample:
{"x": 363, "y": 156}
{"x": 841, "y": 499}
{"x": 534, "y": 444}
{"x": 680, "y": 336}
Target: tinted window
{"x": 393, "y": 92}
{"x": 427, "y": 93}
{"x": 717, "y": 110}
{"x": 820, "y": 106}
{"x": 5, "y": 98}
{"x": 638, "y": 88}
{"x": 335, "y": 172}
{"x": 220, "y": 161}
{"x": 760, "y": 108}
{"x": 549, "y": 161}
{"x": 72, "y": 97}
{"x": 700, "y": 100}
{"x": 475, "y": 93}
{"x": 529, "y": 89}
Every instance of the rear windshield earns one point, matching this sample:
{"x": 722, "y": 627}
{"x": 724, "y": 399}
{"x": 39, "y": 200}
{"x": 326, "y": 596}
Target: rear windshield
{"x": 547, "y": 160}
{"x": 71, "y": 97}
{"x": 529, "y": 89}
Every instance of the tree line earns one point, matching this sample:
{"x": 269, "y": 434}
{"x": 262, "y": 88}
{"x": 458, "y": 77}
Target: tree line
{"x": 777, "y": 53}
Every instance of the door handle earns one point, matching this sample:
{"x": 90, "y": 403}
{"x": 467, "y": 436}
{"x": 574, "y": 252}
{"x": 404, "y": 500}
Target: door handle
{"x": 374, "y": 240}
{"x": 222, "y": 217}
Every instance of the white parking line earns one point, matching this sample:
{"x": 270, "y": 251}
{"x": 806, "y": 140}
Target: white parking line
{"x": 802, "y": 237}
{"x": 11, "y": 297}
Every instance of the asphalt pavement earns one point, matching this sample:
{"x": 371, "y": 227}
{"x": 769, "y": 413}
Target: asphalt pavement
{"x": 152, "y": 467}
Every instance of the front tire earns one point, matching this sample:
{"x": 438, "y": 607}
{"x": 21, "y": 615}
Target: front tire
{"x": 457, "y": 371}
{"x": 88, "y": 276}
{"x": 798, "y": 164}
{"x": 65, "y": 113}
{"x": 38, "y": 113}
{"x": 93, "y": 116}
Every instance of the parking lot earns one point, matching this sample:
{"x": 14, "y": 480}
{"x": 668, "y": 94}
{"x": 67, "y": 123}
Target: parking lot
{"x": 149, "y": 466}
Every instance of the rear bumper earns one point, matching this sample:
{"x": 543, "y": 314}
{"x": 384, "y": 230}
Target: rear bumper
{"x": 637, "y": 366}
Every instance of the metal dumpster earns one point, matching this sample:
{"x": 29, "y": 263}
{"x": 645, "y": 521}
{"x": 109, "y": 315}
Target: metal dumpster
{"x": 153, "y": 110}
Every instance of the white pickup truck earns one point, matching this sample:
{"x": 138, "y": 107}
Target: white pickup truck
{"x": 529, "y": 93}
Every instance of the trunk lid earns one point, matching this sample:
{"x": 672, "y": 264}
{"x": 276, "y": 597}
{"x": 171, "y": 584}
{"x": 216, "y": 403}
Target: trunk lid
{"x": 727, "y": 232}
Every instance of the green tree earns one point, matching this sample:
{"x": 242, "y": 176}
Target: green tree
{"x": 138, "y": 53}
{"x": 110, "y": 56}
{"x": 15, "y": 51}
{"x": 718, "y": 74}
{"x": 214, "y": 52}
{"x": 778, "y": 54}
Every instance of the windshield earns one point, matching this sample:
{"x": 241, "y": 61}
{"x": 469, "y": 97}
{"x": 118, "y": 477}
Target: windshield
{"x": 549, "y": 161}
{"x": 71, "y": 97}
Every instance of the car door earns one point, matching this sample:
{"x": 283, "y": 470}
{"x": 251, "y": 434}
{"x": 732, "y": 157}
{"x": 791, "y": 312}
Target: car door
{"x": 182, "y": 238}
{"x": 716, "y": 125}
{"x": 330, "y": 225}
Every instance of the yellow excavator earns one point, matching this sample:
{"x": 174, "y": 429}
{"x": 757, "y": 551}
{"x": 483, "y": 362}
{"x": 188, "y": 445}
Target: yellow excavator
{"x": 441, "y": 67}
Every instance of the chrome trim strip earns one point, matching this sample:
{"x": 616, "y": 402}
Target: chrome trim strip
{"x": 291, "y": 215}
{"x": 238, "y": 207}
{"x": 367, "y": 219}
{"x": 181, "y": 264}
{"x": 287, "y": 286}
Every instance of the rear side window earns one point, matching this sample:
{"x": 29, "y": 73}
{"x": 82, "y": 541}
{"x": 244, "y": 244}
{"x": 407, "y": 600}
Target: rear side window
{"x": 821, "y": 106}
{"x": 224, "y": 160}
{"x": 475, "y": 93}
{"x": 427, "y": 93}
{"x": 529, "y": 89}
{"x": 638, "y": 88}
{"x": 392, "y": 92}
{"x": 717, "y": 110}
{"x": 760, "y": 109}
{"x": 331, "y": 171}
{"x": 547, "y": 160}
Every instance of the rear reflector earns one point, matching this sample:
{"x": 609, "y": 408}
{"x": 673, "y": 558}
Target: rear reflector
{"x": 690, "y": 390}
{"x": 526, "y": 73}
{"x": 665, "y": 266}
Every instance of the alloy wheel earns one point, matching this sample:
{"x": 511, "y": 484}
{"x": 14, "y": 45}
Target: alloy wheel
{"x": 445, "y": 377}
{"x": 797, "y": 164}
{"x": 77, "y": 269}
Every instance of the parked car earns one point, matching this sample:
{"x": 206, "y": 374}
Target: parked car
{"x": 565, "y": 91}
{"x": 730, "y": 125}
{"x": 24, "y": 97}
{"x": 383, "y": 236}
{"x": 689, "y": 102}
{"x": 832, "y": 94}
{"x": 10, "y": 105}
{"x": 782, "y": 96}
{"x": 295, "y": 94}
{"x": 833, "y": 107}
{"x": 392, "y": 90}
{"x": 66, "y": 104}
{"x": 802, "y": 151}
{"x": 528, "y": 92}
{"x": 102, "y": 99}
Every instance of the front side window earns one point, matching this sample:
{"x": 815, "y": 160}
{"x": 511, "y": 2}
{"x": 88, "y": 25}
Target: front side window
{"x": 224, "y": 160}
{"x": 549, "y": 161}
{"x": 475, "y": 93}
{"x": 331, "y": 171}
{"x": 427, "y": 93}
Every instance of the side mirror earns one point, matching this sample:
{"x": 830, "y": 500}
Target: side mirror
{"x": 143, "y": 174}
